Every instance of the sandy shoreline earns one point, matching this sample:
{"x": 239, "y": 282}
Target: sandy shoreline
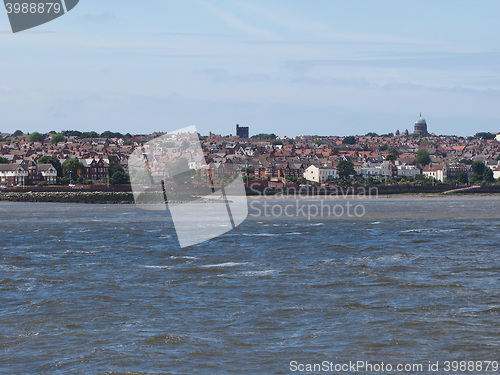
{"x": 422, "y": 196}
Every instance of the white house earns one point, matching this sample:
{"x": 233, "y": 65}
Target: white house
{"x": 407, "y": 171}
{"x": 49, "y": 173}
{"x": 378, "y": 171}
{"x": 436, "y": 171}
{"x": 496, "y": 173}
{"x": 320, "y": 174}
{"x": 373, "y": 171}
{"x": 13, "y": 174}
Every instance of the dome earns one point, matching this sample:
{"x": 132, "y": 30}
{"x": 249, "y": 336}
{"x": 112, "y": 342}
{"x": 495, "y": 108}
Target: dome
{"x": 421, "y": 120}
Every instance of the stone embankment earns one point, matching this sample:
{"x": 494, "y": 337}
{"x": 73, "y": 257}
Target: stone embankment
{"x": 69, "y": 197}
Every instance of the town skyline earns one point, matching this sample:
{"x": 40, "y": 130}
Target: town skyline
{"x": 373, "y": 157}
{"x": 253, "y": 134}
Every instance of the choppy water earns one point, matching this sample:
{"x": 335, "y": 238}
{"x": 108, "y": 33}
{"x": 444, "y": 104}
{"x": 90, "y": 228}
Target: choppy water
{"x": 88, "y": 289}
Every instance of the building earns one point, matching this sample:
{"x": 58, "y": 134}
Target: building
{"x": 48, "y": 173}
{"x": 34, "y": 176}
{"x": 435, "y": 171}
{"x": 242, "y": 131}
{"x": 27, "y": 173}
{"x": 407, "y": 171}
{"x": 496, "y": 173}
{"x": 421, "y": 126}
{"x": 291, "y": 170}
{"x": 453, "y": 171}
{"x": 320, "y": 174}
{"x": 447, "y": 172}
{"x": 379, "y": 171}
{"x": 95, "y": 169}
{"x": 13, "y": 174}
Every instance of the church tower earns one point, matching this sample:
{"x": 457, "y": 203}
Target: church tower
{"x": 421, "y": 126}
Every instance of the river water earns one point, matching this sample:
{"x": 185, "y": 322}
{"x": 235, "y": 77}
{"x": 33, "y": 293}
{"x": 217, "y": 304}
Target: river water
{"x": 96, "y": 289}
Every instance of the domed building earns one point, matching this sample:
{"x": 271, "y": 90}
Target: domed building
{"x": 421, "y": 126}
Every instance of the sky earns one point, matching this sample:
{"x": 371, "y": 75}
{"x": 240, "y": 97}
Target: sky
{"x": 289, "y": 67}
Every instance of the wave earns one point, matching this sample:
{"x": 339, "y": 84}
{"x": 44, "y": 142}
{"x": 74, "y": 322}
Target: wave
{"x": 259, "y": 273}
{"x": 6, "y": 267}
{"x": 222, "y": 265}
{"x": 261, "y": 234}
{"x": 429, "y": 230}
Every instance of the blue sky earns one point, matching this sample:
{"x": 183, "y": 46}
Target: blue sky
{"x": 289, "y": 67}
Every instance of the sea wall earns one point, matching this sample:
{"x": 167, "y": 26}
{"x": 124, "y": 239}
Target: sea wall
{"x": 69, "y": 197}
{"x": 126, "y": 197}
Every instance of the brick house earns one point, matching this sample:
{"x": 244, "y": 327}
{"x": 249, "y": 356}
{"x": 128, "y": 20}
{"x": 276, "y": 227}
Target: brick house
{"x": 453, "y": 171}
{"x": 291, "y": 170}
{"x": 95, "y": 169}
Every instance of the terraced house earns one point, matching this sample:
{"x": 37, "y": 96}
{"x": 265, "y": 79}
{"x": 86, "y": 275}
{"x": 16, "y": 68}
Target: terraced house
{"x": 27, "y": 173}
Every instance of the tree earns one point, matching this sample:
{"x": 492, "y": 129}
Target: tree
{"x": 110, "y": 134}
{"x": 345, "y": 169}
{"x": 54, "y": 161}
{"x": 119, "y": 178}
{"x": 115, "y": 168}
{"x": 484, "y": 135}
{"x": 18, "y": 133}
{"x": 371, "y": 134}
{"x": 391, "y": 157}
{"x": 350, "y": 140}
{"x": 141, "y": 176}
{"x": 423, "y": 157}
{"x": 478, "y": 168}
{"x": 63, "y": 180}
{"x": 4, "y": 160}
{"x": 465, "y": 161}
{"x": 393, "y": 154}
{"x": 36, "y": 137}
{"x": 91, "y": 134}
{"x": 58, "y": 137}
{"x": 73, "y": 168}
{"x": 488, "y": 175}
{"x": 265, "y": 136}
{"x": 463, "y": 178}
